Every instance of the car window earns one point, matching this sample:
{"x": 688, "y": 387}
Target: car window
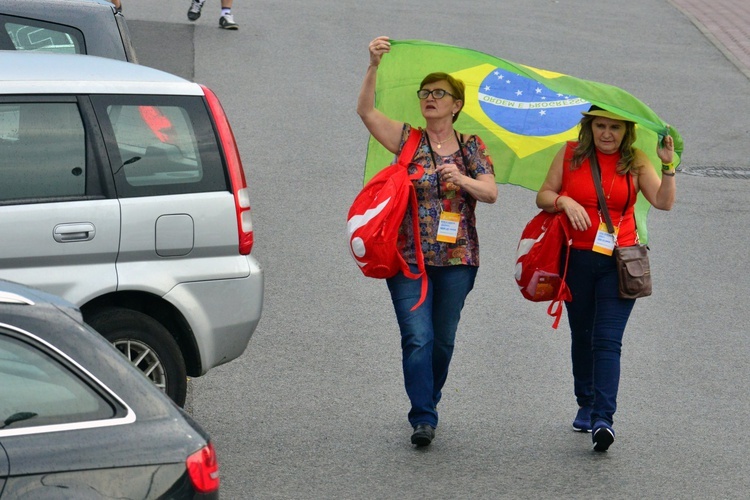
{"x": 38, "y": 389}
{"x": 25, "y": 34}
{"x": 42, "y": 150}
{"x": 162, "y": 145}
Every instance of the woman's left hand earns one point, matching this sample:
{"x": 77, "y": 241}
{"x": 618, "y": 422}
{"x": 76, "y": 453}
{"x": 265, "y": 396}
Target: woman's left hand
{"x": 449, "y": 172}
{"x": 666, "y": 150}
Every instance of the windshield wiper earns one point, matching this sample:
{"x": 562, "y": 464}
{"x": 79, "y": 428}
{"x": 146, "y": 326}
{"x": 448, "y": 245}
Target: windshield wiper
{"x": 18, "y": 417}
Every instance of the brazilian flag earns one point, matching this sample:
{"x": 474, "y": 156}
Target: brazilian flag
{"x": 523, "y": 114}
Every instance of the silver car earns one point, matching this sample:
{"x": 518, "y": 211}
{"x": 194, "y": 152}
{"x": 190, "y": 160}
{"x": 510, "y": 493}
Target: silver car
{"x": 122, "y": 190}
{"x": 65, "y": 26}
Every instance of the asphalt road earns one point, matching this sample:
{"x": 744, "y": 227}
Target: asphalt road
{"x": 316, "y": 407}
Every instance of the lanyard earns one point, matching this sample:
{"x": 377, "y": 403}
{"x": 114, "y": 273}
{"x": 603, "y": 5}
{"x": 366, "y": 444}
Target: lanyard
{"x": 434, "y": 161}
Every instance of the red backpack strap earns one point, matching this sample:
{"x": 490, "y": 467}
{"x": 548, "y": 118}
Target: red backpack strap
{"x": 405, "y": 156}
{"x": 417, "y": 250}
{"x": 555, "y": 308}
{"x": 410, "y": 147}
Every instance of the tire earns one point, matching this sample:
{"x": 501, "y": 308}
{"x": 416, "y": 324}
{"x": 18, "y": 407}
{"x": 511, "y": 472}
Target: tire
{"x": 137, "y": 335}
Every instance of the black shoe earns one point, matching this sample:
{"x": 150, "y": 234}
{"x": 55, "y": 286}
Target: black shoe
{"x": 194, "y": 12}
{"x": 423, "y": 435}
{"x": 603, "y": 436}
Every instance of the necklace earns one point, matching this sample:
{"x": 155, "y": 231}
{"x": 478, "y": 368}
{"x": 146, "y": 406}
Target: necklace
{"x": 440, "y": 143}
{"x": 611, "y": 185}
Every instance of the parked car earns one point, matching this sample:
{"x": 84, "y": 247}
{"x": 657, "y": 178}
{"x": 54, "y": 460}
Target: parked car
{"x": 122, "y": 191}
{"x": 65, "y": 26}
{"x": 78, "y": 421}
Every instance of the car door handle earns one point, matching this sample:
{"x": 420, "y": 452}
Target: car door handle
{"x": 80, "y": 231}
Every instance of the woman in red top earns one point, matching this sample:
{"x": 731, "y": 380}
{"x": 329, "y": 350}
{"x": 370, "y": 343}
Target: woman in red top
{"x": 597, "y": 316}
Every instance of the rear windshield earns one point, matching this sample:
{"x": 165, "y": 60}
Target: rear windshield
{"x": 160, "y": 144}
{"x": 17, "y": 33}
{"x": 40, "y": 389}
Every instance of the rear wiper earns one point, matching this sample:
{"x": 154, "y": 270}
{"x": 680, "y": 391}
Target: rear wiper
{"x": 17, "y": 417}
{"x": 128, "y": 162}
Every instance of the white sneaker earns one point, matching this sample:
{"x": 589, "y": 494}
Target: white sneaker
{"x": 227, "y": 22}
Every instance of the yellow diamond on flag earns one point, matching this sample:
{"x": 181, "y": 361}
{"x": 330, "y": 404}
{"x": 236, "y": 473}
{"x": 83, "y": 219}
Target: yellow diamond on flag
{"x": 522, "y": 145}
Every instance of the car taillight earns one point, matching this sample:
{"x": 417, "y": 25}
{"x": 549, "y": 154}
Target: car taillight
{"x": 236, "y": 172}
{"x": 203, "y": 469}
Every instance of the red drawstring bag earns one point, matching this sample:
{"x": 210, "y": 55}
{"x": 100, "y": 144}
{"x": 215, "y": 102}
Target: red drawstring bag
{"x": 376, "y": 215}
{"x": 539, "y": 275}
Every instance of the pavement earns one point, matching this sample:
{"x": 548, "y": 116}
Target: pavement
{"x": 726, "y": 23}
{"x": 315, "y": 409}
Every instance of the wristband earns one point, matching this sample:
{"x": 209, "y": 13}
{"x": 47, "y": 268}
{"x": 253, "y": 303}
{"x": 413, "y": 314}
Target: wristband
{"x": 667, "y": 166}
{"x": 668, "y": 173}
{"x": 555, "y": 203}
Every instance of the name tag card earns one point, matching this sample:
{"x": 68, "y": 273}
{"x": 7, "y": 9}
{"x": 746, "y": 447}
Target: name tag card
{"x": 604, "y": 242}
{"x": 448, "y": 227}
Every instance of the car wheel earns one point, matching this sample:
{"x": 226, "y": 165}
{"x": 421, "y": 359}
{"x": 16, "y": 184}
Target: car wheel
{"x": 148, "y": 345}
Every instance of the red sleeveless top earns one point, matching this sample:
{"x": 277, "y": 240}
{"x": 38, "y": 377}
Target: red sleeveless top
{"x": 579, "y": 185}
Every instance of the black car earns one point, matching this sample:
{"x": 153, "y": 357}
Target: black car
{"x": 77, "y": 420}
{"x": 91, "y": 27}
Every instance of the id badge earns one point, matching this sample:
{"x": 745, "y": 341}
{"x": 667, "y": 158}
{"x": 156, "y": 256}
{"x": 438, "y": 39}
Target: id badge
{"x": 604, "y": 242}
{"x": 448, "y": 227}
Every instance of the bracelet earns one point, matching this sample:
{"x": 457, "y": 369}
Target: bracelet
{"x": 555, "y": 203}
{"x": 667, "y": 166}
{"x": 668, "y": 173}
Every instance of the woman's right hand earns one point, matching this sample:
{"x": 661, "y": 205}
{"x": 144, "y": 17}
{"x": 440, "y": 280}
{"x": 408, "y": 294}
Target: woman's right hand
{"x": 378, "y": 47}
{"x": 577, "y": 215}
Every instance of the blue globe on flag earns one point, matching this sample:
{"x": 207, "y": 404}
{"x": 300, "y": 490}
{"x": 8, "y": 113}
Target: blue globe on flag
{"x": 526, "y": 107}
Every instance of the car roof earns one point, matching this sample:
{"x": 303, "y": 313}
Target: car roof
{"x": 46, "y": 73}
{"x": 41, "y": 7}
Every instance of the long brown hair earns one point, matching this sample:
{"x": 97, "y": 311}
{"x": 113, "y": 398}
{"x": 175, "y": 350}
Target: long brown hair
{"x": 586, "y": 146}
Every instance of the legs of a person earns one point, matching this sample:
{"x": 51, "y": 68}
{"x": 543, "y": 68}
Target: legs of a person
{"x": 597, "y": 318}
{"x": 226, "y": 4}
{"x": 450, "y": 286}
{"x": 581, "y": 312}
{"x": 417, "y": 338}
{"x": 612, "y": 315}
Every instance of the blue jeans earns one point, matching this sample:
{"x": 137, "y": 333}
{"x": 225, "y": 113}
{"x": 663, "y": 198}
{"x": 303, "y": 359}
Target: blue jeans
{"x": 428, "y": 334}
{"x": 597, "y": 318}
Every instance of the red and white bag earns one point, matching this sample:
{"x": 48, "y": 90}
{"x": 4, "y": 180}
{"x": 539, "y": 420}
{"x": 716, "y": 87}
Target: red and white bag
{"x": 538, "y": 271}
{"x": 376, "y": 215}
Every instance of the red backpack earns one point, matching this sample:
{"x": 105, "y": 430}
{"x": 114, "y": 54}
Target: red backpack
{"x": 538, "y": 271}
{"x": 376, "y": 215}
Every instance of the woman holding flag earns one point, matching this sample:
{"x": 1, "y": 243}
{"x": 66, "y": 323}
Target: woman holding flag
{"x": 597, "y": 316}
{"x": 457, "y": 174}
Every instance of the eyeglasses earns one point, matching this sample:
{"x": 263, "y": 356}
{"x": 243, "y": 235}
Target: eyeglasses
{"x": 436, "y": 93}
